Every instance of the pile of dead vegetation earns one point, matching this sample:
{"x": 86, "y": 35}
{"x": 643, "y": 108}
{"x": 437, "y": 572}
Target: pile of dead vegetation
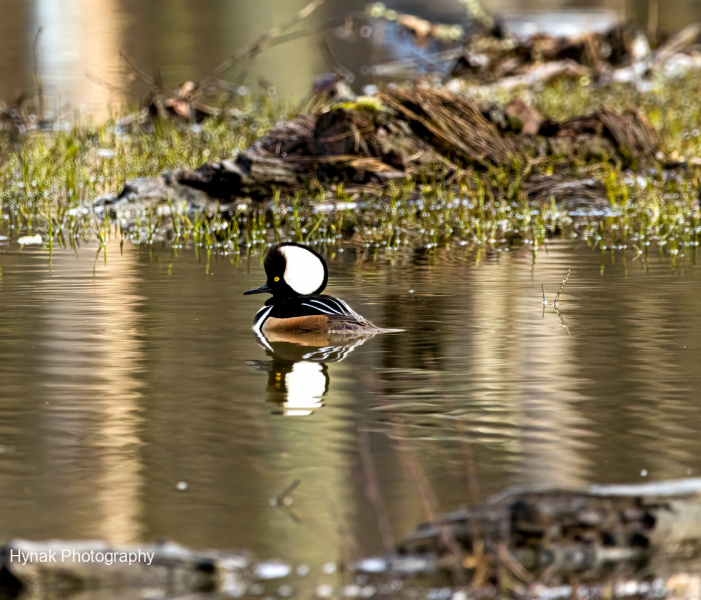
{"x": 416, "y": 133}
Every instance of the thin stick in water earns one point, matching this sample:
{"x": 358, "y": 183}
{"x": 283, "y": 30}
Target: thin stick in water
{"x": 542, "y": 287}
{"x": 562, "y": 287}
{"x": 284, "y": 498}
{"x": 562, "y": 320}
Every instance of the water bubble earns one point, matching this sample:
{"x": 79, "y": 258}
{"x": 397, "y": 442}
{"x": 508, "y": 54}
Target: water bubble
{"x": 272, "y": 570}
{"x": 351, "y": 591}
{"x": 439, "y": 593}
{"x": 329, "y": 568}
{"x": 368, "y": 591}
{"x": 372, "y": 565}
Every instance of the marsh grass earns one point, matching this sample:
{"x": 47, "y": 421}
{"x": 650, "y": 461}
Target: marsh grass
{"x": 48, "y": 182}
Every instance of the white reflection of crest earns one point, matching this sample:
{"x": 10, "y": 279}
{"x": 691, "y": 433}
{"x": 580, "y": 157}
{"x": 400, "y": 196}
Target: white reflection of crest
{"x": 298, "y": 377}
{"x": 306, "y": 386}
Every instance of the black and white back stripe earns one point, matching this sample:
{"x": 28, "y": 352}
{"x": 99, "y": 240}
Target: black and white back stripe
{"x": 330, "y": 306}
{"x": 305, "y": 306}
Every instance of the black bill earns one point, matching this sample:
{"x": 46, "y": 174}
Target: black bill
{"x": 261, "y": 290}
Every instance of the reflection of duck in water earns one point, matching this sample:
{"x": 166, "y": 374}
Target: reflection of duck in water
{"x": 298, "y": 377}
{"x": 296, "y": 277}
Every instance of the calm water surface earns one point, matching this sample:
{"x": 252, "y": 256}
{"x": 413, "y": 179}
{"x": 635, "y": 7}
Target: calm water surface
{"x": 122, "y": 380}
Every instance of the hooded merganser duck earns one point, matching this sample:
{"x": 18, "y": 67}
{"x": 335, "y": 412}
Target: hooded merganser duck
{"x": 296, "y": 277}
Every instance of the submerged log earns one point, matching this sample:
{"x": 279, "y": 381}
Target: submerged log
{"x": 570, "y": 535}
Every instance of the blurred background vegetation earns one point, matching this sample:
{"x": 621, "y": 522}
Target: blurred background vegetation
{"x": 185, "y": 39}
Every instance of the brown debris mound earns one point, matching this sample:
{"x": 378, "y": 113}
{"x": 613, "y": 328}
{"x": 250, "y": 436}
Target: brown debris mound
{"x": 453, "y": 125}
{"x": 414, "y": 133}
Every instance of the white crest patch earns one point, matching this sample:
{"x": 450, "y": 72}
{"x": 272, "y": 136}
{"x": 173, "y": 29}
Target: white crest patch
{"x": 304, "y": 272}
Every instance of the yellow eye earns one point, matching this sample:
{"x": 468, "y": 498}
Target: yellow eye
{"x": 277, "y": 279}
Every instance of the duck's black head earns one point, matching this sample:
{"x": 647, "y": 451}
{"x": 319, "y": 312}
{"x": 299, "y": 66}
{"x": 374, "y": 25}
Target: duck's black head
{"x": 293, "y": 270}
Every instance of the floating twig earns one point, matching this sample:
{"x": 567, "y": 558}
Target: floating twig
{"x": 562, "y": 287}
{"x": 542, "y": 287}
{"x": 285, "y": 497}
{"x": 562, "y": 320}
